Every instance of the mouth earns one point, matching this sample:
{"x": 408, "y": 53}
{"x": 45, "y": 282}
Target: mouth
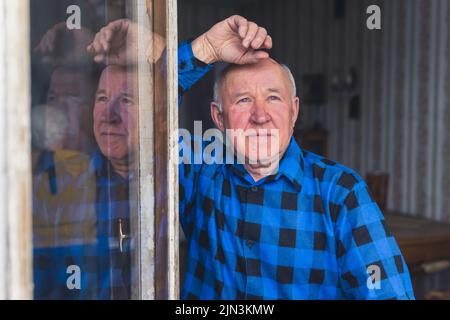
{"x": 260, "y": 134}
{"x": 112, "y": 134}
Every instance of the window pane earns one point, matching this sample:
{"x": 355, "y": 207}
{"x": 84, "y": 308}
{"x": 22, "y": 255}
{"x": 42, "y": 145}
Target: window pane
{"x": 87, "y": 148}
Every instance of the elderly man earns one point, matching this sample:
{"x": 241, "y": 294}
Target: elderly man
{"x": 307, "y": 229}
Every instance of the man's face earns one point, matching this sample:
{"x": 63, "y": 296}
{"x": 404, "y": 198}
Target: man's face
{"x": 115, "y": 113}
{"x": 71, "y": 95}
{"x": 257, "y": 98}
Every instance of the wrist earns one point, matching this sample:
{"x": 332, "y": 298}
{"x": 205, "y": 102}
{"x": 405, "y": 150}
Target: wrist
{"x": 203, "y": 50}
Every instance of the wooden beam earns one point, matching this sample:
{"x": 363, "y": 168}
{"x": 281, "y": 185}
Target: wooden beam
{"x": 142, "y": 191}
{"x": 173, "y": 150}
{"x": 157, "y": 187}
{"x": 161, "y": 158}
{"x": 166, "y": 153}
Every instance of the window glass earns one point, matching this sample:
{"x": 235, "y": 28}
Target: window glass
{"x": 85, "y": 148}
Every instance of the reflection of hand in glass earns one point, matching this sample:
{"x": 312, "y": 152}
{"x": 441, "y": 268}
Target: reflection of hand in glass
{"x": 117, "y": 44}
{"x": 61, "y": 46}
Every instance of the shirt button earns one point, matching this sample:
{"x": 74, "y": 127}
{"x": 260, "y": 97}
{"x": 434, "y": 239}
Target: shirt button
{"x": 254, "y": 189}
{"x": 250, "y": 243}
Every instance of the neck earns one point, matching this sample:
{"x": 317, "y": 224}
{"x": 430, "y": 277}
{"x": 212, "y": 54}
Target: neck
{"x": 122, "y": 166}
{"x": 259, "y": 171}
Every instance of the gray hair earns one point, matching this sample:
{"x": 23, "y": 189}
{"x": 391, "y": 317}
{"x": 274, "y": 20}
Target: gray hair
{"x": 219, "y": 81}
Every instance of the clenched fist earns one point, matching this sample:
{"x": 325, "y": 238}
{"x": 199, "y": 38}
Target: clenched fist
{"x": 234, "y": 40}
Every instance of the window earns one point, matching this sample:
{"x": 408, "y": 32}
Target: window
{"x": 93, "y": 192}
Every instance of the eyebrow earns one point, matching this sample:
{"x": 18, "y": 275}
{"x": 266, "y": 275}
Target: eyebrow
{"x": 101, "y": 91}
{"x": 274, "y": 90}
{"x": 243, "y": 93}
{"x": 126, "y": 94}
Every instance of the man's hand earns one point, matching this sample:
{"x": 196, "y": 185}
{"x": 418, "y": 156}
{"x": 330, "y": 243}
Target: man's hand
{"x": 233, "y": 40}
{"x": 117, "y": 43}
{"x": 61, "y": 46}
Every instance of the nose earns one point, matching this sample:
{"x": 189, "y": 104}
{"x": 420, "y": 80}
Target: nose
{"x": 259, "y": 116}
{"x": 112, "y": 112}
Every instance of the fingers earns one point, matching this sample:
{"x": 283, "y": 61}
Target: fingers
{"x": 256, "y": 37}
{"x": 96, "y": 49}
{"x": 239, "y": 24}
{"x": 268, "y": 43}
{"x": 114, "y": 31}
{"x": 100, "y": 46}
{"x": 259, "y": 39}
{"x": 253, "y": 57}
{"x": 251, "y": 33}
{"x": 103, "y": 41}
{"x": 107, "y": 38}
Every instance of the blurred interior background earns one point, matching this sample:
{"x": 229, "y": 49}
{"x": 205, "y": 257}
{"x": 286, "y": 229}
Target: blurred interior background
{"x": 377, "y": 101}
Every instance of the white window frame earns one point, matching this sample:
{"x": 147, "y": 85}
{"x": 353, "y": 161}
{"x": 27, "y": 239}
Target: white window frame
{"x": 16, "y": 264}
{"x": 15, "y": 152}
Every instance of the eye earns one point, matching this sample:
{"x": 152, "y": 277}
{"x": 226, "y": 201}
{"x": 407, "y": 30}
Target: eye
{"x": 274, "y": 98}
{"x": 128, "y": 101}
{"x": 101, "y": 98}
{"x": 244, "y": 100}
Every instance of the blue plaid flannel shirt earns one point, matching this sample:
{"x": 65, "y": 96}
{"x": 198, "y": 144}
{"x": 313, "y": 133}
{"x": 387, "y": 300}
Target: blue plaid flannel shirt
{"x": 312, "y": 231}
{"x": 92, "y": 242}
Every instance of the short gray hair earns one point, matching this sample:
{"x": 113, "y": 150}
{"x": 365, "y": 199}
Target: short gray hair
{"x": 219, "y": 81}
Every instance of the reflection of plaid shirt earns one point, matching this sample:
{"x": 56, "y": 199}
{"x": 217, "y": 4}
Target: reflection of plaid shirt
{"x": 311, "y": 231}
{"x": 76, "y": 222}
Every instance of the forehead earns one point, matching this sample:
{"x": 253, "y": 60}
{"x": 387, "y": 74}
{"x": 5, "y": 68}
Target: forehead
{"x": 266, "y": 74}
{"x": 70, "y": 81}
{"x": 114, "y": 78}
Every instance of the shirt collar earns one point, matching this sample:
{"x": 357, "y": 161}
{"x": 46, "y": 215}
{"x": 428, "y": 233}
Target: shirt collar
{"x": 103, "y": 167}
{"x": 291, "y": 166}
{"x": 45, "y": 162}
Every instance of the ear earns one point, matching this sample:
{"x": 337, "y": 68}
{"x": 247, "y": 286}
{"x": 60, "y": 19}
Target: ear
{"x": 295, "y": 110}
{"x": 217, "y": 116}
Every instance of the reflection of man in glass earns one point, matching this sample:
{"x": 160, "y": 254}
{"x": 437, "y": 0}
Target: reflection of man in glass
{"x": 91, "y": 208}
{"x": 115, "y": 117}
{"x": 70, "y": 98}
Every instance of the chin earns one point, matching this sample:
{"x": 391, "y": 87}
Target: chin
{"x": 114, "y": 153}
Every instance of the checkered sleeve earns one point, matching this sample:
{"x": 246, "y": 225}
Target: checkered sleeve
{"x": 189, "y": 171}
{"x": 370, "y": 262}
{"x": 190, "y": 70}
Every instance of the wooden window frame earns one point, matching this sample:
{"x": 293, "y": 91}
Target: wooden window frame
{"x": 158, "y": 268}
{"x": 15, "y": 153}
